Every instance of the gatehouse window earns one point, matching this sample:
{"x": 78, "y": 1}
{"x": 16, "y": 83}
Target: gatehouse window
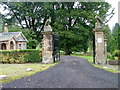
{"x": 24, "y": 46}
{"x": 20, "y": 46}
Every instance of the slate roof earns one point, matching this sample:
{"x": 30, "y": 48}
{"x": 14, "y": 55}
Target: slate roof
{"x": 10, "y": 35}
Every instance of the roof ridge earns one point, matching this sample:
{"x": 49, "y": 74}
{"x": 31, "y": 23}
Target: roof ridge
{"x": 11, "y": 32}
{"x": 9, "y": 35}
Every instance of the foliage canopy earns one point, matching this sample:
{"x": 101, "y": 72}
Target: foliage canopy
{"x": 74, "y": 21}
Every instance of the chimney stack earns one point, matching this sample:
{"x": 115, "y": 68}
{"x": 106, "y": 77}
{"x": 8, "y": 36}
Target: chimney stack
{"x": 6, "y": 28}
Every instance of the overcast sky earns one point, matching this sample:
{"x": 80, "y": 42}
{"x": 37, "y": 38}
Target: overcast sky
{"x": 113, "y": 20}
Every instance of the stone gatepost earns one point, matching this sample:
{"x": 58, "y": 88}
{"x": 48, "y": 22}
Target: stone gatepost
{"x": 105, "y": 41}
{"x": 100, "y": 48}
{"x": 47, "y": 44}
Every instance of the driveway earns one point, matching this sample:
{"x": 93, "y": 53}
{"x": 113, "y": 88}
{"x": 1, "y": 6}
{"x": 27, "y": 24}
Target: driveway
{"x": 72, "y": 72}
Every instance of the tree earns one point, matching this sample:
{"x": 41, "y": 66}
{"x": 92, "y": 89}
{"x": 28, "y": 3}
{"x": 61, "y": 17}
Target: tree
{"x": 1, "y": 22}
{"x": 116, "y": 38}
{"x": 74, "y": 23}
{"x": 108, "y": 36}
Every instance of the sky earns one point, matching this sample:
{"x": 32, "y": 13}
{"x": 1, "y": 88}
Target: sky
{"x": 114, "y": 19}
{"x": 111, "y": 23}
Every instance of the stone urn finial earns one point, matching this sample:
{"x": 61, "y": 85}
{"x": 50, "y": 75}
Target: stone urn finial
{"x": 47, "y": 26}
{"x": 48, "y": 21}
{"x": 99, "y": 23}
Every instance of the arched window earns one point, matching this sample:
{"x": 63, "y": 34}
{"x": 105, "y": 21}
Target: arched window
{"x": 11, "y": 45}
{"x": 3, "y": 46}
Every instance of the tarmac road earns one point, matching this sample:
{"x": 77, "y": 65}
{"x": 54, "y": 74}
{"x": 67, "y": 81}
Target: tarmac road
{"x": 72, "y": 72}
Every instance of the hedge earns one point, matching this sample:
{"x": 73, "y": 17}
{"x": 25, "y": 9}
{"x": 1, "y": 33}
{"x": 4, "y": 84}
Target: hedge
{"x": 21, "y": 56}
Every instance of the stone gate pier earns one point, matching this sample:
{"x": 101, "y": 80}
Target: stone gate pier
{"x": 100, "y": 43}
{"x": 48, "y": 45}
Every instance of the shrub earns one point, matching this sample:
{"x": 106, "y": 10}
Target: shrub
{"x": 62, "y": 52}
{"x": 109, "y": 56}
{"x": 116, "y": 55}
{"x": 21, "y": 56}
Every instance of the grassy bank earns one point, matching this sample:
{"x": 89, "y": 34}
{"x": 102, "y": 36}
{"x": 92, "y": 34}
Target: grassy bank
{"x": 17, "y": 71}
{"x": 110, "y": 68}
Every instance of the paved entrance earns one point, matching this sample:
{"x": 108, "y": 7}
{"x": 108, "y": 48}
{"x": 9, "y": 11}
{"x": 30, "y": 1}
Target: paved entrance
{"x": 73, "y": 72}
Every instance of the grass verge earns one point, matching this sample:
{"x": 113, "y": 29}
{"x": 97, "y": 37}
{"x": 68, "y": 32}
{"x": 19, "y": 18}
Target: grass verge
{"x": 90, "y": 60}
{"x": 17, "y": 71}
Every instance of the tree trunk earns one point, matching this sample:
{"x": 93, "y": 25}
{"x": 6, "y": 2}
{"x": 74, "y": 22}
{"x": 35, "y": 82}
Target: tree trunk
{"x": 68, "y": 52}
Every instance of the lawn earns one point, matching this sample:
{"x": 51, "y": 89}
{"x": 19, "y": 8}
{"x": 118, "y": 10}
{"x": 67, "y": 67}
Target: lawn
{"x": 110, "y": 68}
{"x": 17, "y": 71}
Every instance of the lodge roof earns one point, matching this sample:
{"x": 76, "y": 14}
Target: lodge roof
{"x": 9, "y": 35}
